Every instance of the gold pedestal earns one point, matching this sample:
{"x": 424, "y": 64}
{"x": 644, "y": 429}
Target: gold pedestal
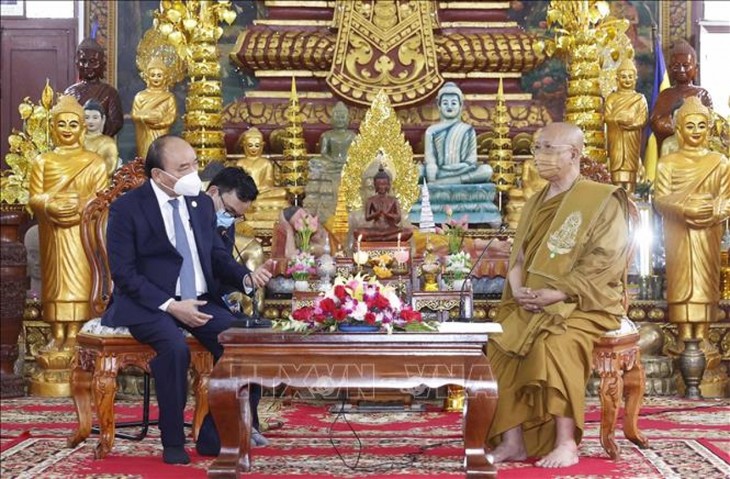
{"x": 455, "y": 399}
{"x": 52, "y": 376}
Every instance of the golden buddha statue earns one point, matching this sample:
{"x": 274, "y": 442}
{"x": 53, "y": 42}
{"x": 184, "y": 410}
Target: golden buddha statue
{"x": 154, "y": 109}
{"x": 626, "y": 114}
{"x": 96, "y": 141}
{"x": 325, "y": 171}
{"x": 383, "y": 213}
{"x": 692, "y": 194}
{"x": 271, "y": 199}
{"x": 62, "y": 181}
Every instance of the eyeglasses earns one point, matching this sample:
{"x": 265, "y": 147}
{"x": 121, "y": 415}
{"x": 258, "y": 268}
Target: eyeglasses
{"x": 548, "y": 149}
{"x": 231, "y": 212}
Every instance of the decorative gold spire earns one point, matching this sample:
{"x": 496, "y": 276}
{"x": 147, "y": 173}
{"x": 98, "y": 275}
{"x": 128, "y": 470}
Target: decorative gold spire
{"x": 500, "y": 154}
{"x": 295, "y": 165}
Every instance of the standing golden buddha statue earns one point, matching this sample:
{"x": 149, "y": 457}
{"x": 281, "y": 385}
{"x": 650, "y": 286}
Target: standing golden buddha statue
{"x": 96, "y": 141}
{"x": 626, "y": 114}
{"x": 693, "y": 196}
{"x": 62, "y": 182}
{"x": 264, "y": 212}
{"x": 154, "y": 109}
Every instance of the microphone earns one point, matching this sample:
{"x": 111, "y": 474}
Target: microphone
{"x": 465, "y": 316}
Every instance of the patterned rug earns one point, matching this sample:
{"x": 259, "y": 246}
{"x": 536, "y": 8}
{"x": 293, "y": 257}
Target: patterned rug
{"x": 687, "y": 439}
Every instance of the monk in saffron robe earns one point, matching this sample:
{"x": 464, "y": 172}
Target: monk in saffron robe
{"x": 62, "y": 182}
{"x": 564, "y": 290}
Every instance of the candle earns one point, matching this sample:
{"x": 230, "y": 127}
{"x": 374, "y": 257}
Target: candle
{"x": 399, "y": 240}
{"x": 359, "y": 239}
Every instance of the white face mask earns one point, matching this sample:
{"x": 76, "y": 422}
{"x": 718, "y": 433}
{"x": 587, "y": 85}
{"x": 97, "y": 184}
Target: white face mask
{"x": 188, "y": 185}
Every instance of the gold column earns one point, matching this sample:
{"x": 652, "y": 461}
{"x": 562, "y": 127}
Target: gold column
{"x": 193, "y": 27}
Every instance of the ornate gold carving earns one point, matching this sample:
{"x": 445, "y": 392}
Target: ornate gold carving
{"x": 260, "y": 49}
{"x": 381, "y": 129}
{"x": 385, "y": 46}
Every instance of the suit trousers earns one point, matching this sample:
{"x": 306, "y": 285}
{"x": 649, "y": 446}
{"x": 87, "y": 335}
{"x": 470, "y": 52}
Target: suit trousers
{"x": 170, "y": 365}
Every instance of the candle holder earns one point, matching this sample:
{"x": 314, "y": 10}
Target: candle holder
{"x": 361, "y": 259}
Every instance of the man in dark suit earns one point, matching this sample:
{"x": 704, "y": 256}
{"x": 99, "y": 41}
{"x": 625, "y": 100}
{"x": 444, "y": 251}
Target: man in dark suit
{"x": 231, "y": 184}
{"x": 168, "y": 265}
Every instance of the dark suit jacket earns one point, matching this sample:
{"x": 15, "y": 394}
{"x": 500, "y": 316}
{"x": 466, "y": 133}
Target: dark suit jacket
{"x": 145, "y": 265}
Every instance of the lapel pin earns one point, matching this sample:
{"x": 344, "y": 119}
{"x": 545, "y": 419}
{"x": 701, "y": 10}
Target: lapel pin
{"x": 194, "y": 204}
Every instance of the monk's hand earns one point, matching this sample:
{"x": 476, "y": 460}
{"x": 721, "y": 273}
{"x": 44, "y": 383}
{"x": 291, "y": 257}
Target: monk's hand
{"x": 547, "y": 296}
{"x": 699, "y": 207}
{"x": 262, "y": 274}
{"x": 186, "y": 311}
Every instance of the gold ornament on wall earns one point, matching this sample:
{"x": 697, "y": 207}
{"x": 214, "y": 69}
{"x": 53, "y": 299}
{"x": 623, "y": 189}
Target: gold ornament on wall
{"x": 385, "y": 46}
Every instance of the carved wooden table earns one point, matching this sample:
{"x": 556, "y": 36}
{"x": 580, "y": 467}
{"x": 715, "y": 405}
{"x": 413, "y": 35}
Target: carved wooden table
{"x": 355, "y": 360}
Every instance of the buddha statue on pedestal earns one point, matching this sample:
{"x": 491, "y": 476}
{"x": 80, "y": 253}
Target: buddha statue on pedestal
{"x": 264, "y": 212}
{"x": 450, "y": 146}
{"x": 626, "y": 113}
{"x": 91, "y": 63}
{"x": 382, "y": 213}
{"x": 325, "y": 171}
{"x": 154, "y": 109}
{"x": 455, "y": 178}
{"x": 96, "y": 141}
{"x": 692, "y": 194}
{"x": 62, "y": 182}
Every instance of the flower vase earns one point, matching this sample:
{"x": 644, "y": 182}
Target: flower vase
{"x": 457, "y": 284}
{"x": 692, "y": 364}
{"x": 301, "y": 285}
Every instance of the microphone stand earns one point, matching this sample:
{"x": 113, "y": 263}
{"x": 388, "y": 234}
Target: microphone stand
{"x": 254, "y": 321}
{"x": 462, "y": 316}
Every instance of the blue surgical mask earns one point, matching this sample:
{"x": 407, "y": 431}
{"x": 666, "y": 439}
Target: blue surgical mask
{"x": 224, "y": 219}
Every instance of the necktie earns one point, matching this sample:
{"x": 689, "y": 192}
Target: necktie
{"x": 187, "y": 272}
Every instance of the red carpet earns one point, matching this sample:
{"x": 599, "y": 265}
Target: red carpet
{"x": 687, "y": 439}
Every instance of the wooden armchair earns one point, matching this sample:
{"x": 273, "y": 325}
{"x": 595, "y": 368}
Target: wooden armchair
{"x": 102, "y": 351}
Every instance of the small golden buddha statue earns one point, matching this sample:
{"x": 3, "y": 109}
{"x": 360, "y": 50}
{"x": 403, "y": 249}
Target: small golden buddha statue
{"x": 271, "y": 199}
{"x": 693, "y": 197}
{"x": 62, "y": 182}
{"x": 96, "y": 141}
{"x": 383, "y": 213}
{"x": 626, "y": 114}
{"x": 154, "y": 109}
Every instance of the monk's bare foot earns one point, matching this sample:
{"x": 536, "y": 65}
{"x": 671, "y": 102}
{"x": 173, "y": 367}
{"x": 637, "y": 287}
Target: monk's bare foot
{"x": 507, "y": 452}
{"x": 565, "y": 454}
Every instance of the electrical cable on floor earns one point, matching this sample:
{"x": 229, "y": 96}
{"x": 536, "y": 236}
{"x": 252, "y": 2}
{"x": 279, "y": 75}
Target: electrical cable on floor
{"x": 410, "y": 460}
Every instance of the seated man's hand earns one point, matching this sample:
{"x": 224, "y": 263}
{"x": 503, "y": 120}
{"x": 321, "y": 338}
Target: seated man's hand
{"x": 186, "y": 311}
{"x": 534, "y": 300}
{"x": 262, "y": 274}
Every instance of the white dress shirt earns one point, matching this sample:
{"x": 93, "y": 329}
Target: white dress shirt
{"x": 163, "y": 200}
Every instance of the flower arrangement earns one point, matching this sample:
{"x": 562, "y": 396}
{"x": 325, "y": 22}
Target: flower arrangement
{"x": 458, "y": 265}
{"x": 453, "y": 230}
{"x": 305, "y": 226}
{"x": 301, "y": 266}
{"x": 25, "y": 146}
{"x": 357, "y": 300}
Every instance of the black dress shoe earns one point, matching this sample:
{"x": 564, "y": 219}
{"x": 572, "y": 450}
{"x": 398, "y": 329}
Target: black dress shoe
{"x": 175, "y": 455}
{"x": 209, "y": 442}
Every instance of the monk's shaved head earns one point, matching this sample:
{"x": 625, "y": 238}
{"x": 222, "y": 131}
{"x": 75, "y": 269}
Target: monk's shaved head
{"x": 562, "y": 133}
